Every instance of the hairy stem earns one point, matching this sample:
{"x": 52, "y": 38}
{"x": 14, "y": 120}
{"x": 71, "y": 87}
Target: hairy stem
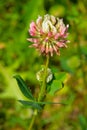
{"x": 43, "y": 87}
{"x": 41, "y": 94}
{"x": 33, "y": 119}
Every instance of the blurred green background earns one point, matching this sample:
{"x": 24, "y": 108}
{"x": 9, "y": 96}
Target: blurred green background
{"x": 17, "y": 58}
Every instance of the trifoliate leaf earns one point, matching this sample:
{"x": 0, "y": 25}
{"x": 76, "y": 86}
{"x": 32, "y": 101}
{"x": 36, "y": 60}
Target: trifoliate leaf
{"x": 49, "y": 103}
{"x": 55, "y": 86}
{"x": 61, "y": 76}
{"x": 23, "y": 87}
{"x": 32, "y": 104}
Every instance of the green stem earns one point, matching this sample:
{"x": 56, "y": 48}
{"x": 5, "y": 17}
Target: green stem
{"x": 43, "y": 87}
{"x": 41, "y": 94}
{"x": 33, "y": 120}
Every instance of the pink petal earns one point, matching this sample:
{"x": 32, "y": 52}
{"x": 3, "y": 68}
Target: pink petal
{"x": 33, "y": 29}
{"x": 55, "y": 48}
{"x": 41, "y": 31}
{"x": 61, "y": 44}
{"x": 64, "y": 30}
{"x": 56, "y": 36}
{"x": 50, "y": 34}
{"x": 65, "y": 35}
{"x": 46, "y": 39}
{"x": 32, "y": 33}
{"x": 35, "y": 45}
{"x": 30, "y": 39}
{"x": 32, "y": 25}
{"x": 42, "y": 49}
{"x": 35, "y": 40}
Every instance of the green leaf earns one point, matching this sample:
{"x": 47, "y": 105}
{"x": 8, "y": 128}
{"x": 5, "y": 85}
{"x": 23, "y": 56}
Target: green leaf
{"x": 60, "y": 76}
{"x": 37, "y": 105}
{"x": 55, "y": 86}
{"x": 24, "y": 89}
{"x": 44, "y": 103}
{"x": 57, "y": 83}
{"x": 32, "y": 104}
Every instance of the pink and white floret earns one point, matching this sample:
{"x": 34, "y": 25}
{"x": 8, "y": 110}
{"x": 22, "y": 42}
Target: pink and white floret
{"x": 48, "y": 34}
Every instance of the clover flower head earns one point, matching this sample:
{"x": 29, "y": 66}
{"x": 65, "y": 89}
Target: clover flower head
{"x": 48, "y": 34}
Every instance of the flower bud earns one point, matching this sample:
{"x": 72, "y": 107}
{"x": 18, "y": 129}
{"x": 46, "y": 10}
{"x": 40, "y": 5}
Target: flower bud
{"x": 40, "y": 75}
{"x": 45, "y": 26}
{"x": 39, "y": 21}
{"x": 53, "y": 19}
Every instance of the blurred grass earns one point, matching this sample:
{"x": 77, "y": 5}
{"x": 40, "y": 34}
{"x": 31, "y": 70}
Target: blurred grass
{"x": 15, "y": 58}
